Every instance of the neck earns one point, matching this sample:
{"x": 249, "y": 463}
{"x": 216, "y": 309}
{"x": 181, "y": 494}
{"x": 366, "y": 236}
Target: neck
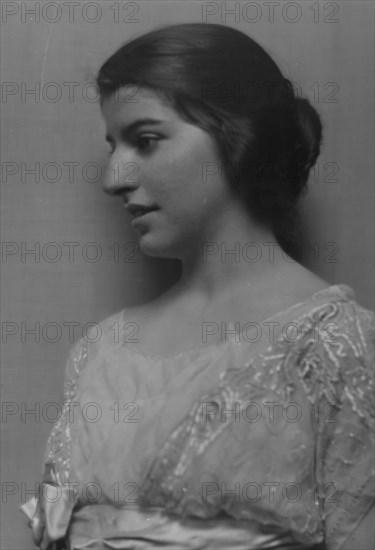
{"x": 233, "y": 251}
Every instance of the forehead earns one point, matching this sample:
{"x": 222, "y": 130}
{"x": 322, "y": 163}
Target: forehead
{"x": 130, "y": 102}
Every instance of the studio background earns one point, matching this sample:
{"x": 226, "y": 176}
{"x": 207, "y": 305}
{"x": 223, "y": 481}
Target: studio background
{"x": 327, "y": 51}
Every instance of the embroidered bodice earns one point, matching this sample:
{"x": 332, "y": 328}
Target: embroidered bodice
{"x": 253, "y": 444}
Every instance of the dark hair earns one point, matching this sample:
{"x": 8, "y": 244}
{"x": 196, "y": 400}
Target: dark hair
{"x": 221, "y": 80}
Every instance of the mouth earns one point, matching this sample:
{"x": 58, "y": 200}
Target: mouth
{"x": 139, "y": 210}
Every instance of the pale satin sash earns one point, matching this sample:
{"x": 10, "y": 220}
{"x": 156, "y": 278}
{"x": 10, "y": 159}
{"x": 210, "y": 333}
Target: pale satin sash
{"x": 103, "y": 527}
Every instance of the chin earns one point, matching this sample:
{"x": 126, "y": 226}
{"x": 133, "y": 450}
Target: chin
{"x": 156, "y": 248}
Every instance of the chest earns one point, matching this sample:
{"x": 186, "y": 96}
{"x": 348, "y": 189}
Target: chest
{"x": 171, "y": 333}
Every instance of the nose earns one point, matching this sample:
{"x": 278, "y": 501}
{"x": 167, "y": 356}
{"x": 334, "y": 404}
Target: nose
{"x": 121, "y": 176}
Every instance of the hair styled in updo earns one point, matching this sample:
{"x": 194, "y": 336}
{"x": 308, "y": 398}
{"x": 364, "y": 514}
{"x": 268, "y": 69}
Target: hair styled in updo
{"x": 221, "y": 80}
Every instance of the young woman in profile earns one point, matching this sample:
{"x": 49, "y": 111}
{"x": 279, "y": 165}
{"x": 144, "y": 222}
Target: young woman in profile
{"x": 219, "y": 428}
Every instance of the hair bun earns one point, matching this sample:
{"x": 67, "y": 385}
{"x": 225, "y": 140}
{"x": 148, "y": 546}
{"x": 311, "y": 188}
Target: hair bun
{"x": 310, "y": 132}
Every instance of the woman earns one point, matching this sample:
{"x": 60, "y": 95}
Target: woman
{"x": 238, "y": 413}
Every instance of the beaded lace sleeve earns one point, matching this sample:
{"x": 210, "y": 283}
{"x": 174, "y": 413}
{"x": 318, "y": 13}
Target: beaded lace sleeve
{"x": 57, "y": 454}
{"x": 345, "y": 456}
{"x": 50, "y": 510}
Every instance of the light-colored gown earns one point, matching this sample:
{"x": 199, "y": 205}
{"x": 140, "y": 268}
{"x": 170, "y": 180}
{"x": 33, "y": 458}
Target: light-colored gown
{"x": 261, "y": 443}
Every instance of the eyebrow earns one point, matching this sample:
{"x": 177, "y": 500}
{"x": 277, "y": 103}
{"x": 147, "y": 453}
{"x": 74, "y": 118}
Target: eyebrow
{"x": 127, "y": 130}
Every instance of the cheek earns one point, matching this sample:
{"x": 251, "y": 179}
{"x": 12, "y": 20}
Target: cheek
{"x": 190, "y": 172}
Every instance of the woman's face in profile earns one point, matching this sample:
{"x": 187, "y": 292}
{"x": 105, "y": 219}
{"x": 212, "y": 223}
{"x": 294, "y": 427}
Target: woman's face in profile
{"x": 160, "y": 161}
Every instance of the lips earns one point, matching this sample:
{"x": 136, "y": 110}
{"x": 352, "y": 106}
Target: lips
{"x": 137, "y": 210}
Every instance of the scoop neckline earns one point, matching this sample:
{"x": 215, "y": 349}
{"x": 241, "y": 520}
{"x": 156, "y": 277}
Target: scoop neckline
{"x": 343, "y": 290}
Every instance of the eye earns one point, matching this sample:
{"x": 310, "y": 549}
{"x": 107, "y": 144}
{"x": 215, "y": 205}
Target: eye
{"x": 146, "y": 141}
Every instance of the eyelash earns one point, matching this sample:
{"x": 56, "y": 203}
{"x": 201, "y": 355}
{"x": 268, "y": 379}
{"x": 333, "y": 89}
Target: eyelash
{"x": 138, "y": 142}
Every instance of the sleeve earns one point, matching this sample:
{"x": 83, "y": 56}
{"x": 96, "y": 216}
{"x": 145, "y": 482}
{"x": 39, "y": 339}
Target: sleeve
{"x": 50, "y": 509}
{"x": 345, "y": 450}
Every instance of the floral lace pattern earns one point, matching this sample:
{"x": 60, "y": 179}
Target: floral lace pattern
{"x": 334, "y": 373}
{"x": 57, "y": 456}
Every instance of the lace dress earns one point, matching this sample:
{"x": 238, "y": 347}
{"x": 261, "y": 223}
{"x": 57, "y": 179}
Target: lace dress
{"x": 254, "y": 443}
